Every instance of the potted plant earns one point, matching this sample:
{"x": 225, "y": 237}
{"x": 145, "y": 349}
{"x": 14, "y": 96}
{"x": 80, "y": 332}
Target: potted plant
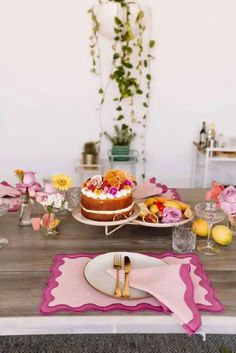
{"x": 90, "y": 153}
{"x": 121, "y": 141}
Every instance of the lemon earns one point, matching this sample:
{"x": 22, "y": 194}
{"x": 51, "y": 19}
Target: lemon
{"x": 200, "y": 227}
{"x": 188, "y": 213}
{"x": 222, "y": 235}
{"x": 154, "y": 209}
{"x": 143, "y": 209}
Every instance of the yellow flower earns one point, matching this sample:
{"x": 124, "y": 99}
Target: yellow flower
{"x": 20, "y": 174}
{"x": 61, "y": 182}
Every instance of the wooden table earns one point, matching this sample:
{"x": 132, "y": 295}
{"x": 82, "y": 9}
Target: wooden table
{"x": 25, "y": 263}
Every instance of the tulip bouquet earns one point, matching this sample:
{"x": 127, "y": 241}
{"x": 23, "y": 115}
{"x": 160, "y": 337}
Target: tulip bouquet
{"x": 28, "y": 188}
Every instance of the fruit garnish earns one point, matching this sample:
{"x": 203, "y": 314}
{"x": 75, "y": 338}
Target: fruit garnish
{"x": 183, "y": 205}
{"x": 188, "y": 213}
{"x": 160, "y": 206}
{"x": 161, "y": 199}
{"x": 150, "y": 201}
{"x": 150, "y": 218}
{"x": 154, "y": 209}
{"x": 143, "y": 209}
{"x": 172, "y": 204}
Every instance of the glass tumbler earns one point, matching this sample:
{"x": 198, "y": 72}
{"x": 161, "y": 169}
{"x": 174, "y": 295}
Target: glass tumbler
{"x": 183, "y": 239}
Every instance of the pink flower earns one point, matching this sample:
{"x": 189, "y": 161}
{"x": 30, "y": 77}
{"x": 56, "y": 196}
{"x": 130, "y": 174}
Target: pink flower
{"x": 113, "y": 190}
{"x": 95, "y": 181}
{"x": 171, "y": 215}
{"x": 213, "y": 194}
{"x": 41, "y": 196}
{"x": 49, "y": 189}
{"x": 29, "y": 178}
{"x": 227, "y": 200}
{"x": 33, "y": 189}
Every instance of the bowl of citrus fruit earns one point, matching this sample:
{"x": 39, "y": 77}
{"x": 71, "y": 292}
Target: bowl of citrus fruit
{"x": 163, "y": 212}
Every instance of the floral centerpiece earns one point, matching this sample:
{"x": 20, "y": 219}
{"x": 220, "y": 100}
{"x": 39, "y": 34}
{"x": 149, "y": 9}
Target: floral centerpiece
{"x": 28, "y": 188}
{"x": 225, "y": 197}
{"x": 53, "y": 199}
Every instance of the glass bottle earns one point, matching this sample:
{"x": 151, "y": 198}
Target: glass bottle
{"x": 211, "y": 135}
{"x": 202, "y": 140}
{"x": 26, "y": 209}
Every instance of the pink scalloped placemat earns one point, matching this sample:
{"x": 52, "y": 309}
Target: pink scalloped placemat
{"x": 67, "y": 290}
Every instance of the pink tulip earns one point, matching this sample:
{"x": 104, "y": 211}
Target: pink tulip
{"x": 35, "y": 223}
{"x": 29, "y": 178}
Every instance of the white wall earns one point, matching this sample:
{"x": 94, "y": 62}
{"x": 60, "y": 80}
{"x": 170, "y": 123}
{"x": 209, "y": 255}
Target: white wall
{"x": 48, "y": 96}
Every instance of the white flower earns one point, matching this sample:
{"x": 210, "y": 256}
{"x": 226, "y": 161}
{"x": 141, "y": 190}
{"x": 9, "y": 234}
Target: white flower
{"x": 55, "y": 200}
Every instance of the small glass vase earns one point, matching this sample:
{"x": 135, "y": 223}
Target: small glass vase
{"x": 49, "y": 224}
{"x": 26, "y": 210}
{"x": 232, "y": 222}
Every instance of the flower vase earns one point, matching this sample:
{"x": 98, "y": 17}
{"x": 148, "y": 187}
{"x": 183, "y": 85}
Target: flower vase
{"x": 49, "y": 224}
{"x": 26, "y": 210}
{"x": 232, "y": 222}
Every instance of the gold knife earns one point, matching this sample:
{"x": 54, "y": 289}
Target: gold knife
{"x": 127, "y": 268}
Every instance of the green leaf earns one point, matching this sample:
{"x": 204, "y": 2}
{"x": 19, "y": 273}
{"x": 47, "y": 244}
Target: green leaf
{"x": 149, "y": 77}
{"x": 127, "y": 49}
{"x": 145, "y": 63}
{"x": 139, "y": 91}
{"x": 145, "y": 105}
{"x": 118, "y": 21}
{"x": 152, "y": 43}
{"x": 120, "y": 117}
{"x": 119, "y": 108}
{"x": 116, "y": 56}
{"x": 140, "y": 15}
{"x": 100, "y": 91}
{"x": 127, "y": 64}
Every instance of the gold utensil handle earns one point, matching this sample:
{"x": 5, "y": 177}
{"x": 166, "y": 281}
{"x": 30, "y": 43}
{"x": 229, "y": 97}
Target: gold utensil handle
{"x": 117, "y": 289}
{"x": 126, "y": 287}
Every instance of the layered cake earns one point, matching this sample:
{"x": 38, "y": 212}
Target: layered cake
{"x": 108, "y": 198}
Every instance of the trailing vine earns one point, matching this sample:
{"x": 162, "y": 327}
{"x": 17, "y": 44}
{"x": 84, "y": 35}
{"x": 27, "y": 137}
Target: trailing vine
{"x": 130, "y": 68}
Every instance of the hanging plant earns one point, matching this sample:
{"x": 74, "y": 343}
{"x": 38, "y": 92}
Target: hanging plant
{"x": 130, "y": 63}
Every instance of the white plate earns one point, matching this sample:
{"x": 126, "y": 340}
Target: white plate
{"x": 79, "y": 217}
{"x": 162, "y": 225}
{"x": 96, "y": 275}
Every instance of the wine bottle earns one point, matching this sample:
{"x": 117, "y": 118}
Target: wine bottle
{"x": 202, "y": 141}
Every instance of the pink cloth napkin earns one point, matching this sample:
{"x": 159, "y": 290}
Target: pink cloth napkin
{"x": 67, "y": 290}
{"x": 151, "y": 188}
{"x": 172, "y": 286}
{"x": 11, "y": 194}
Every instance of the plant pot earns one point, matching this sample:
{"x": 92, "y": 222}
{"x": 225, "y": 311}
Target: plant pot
{"x": 90, "y": 159}
{"x": 108, "y": 11}
{"x": 121, "y": 151}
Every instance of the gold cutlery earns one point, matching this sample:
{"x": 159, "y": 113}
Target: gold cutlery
{"x": 117, "y": 266}
{"x": 127, "y": 266}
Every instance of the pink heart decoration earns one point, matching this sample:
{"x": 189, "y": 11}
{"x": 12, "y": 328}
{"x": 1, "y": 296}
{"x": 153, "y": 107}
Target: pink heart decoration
{"x": 152, "y": 180}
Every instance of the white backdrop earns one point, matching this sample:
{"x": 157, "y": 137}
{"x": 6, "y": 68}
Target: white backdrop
{"x": 48, "y": 97}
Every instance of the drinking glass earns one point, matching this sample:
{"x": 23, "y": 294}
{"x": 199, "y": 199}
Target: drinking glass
{"x": 212, "y": 214}
{"x": 4, "y": 206}
{"x": 183, "y": 239}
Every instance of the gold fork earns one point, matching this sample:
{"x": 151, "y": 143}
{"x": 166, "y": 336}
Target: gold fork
{"x": 117, "y": 266}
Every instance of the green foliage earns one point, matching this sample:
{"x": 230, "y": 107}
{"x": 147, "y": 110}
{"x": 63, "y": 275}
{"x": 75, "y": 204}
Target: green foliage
{"x": 123, "y": 135}
{"x": 90, "y": 148}
{"x": 225, "y": 349}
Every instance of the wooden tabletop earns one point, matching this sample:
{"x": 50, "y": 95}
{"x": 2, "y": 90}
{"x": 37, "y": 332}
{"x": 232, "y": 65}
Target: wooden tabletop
{"x": 25, "y": 263}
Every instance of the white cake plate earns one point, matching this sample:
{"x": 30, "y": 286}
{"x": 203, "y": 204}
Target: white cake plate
{"x": 76, "y": 213}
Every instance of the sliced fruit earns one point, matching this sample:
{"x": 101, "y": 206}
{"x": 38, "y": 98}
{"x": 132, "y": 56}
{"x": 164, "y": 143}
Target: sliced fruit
{"x": 188, "y": 213}
{"x": 161, "y": 199}
{"x": 183, "y": 205}
{"x": 154, "y": 209}
{"x": 222, "y": 235}
{"x": 150, "y": 201}
{"x": 143, "y": 209}
{"x": 172, "y": 204}
{"x": 150, "y": 218}
{"x": 200, "y": 227}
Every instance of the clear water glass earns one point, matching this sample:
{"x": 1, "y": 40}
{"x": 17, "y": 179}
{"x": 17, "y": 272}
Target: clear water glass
{"x": 212, "y": 214}
{"x": 73, "y": 198}
{"x": 4, "y": 206}
{"x": 183, "y": 239}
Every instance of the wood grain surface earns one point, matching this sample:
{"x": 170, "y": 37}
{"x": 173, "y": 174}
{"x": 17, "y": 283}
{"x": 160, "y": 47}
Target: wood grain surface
{"x": 25, "y": 263}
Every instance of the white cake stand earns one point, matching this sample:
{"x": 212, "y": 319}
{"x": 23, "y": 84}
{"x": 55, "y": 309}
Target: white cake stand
{"x": 115, "y": 224}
